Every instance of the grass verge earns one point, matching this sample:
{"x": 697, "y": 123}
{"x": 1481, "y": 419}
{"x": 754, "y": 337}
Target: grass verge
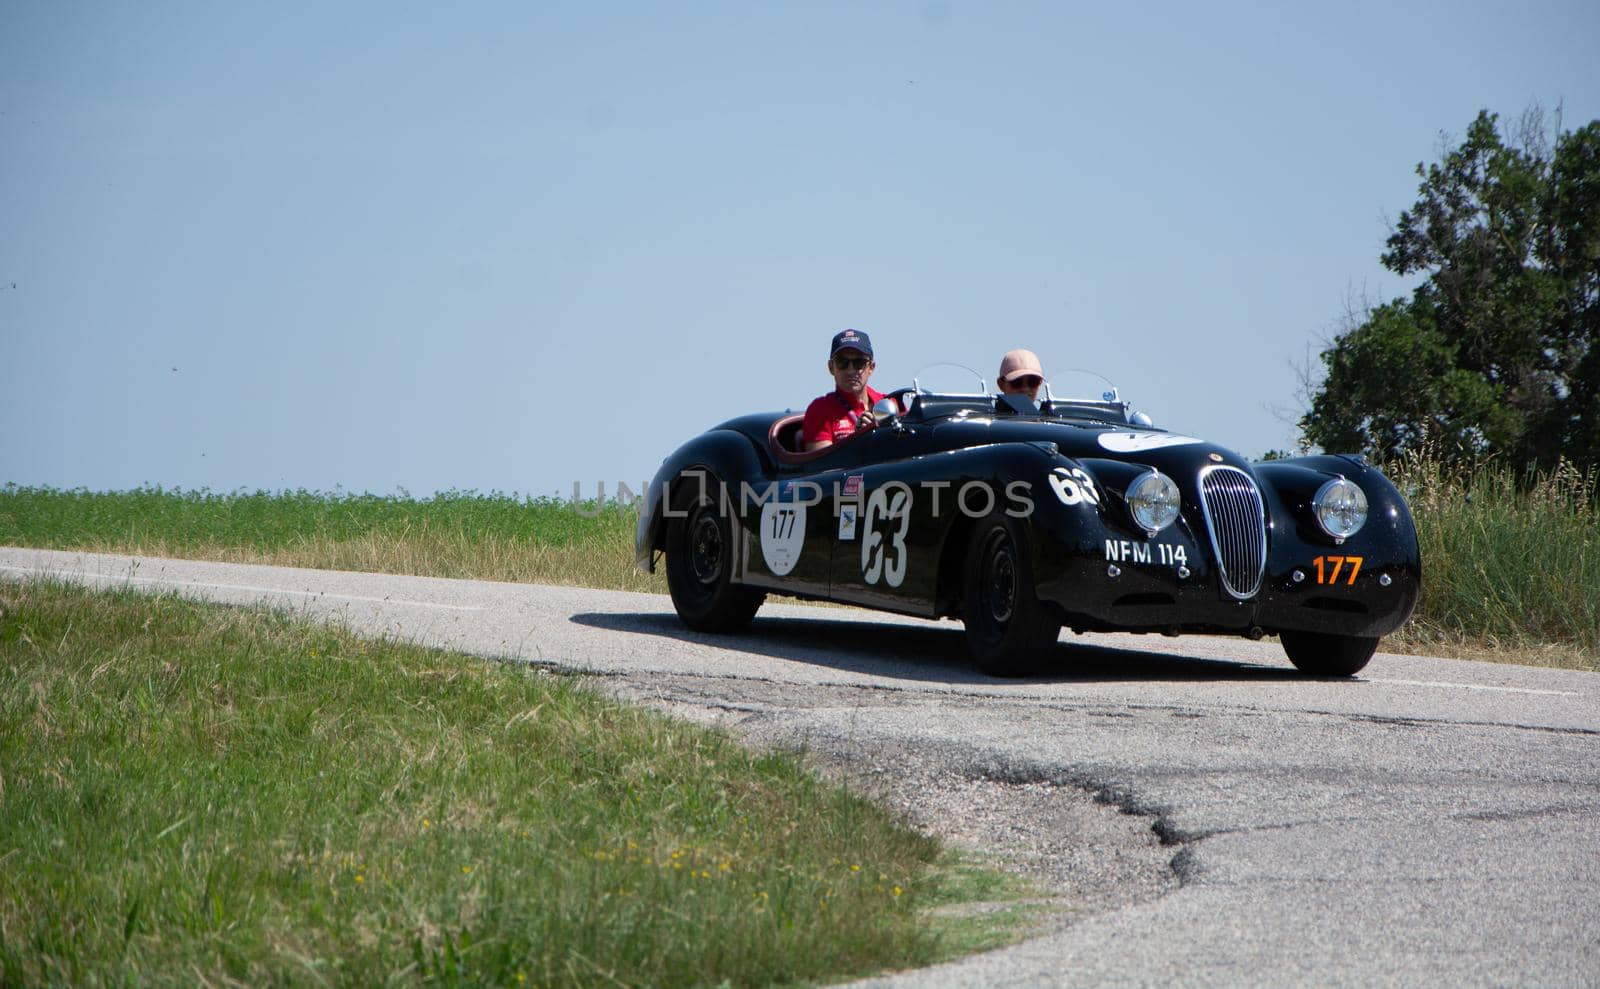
{"x": 1510, "y": 564}
{"x": 192, "y": 793}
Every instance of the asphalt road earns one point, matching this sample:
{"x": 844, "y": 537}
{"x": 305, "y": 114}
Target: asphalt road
{"x": 1206, "y": 815}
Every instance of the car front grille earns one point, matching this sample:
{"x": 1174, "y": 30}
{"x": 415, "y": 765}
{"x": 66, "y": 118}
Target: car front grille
{"x": 1238, "y": 528}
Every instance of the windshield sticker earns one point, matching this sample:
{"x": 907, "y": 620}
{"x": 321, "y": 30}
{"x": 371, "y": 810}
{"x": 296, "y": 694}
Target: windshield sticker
{"x": 783, "y": 534}
{"x": 1134, "y": 442}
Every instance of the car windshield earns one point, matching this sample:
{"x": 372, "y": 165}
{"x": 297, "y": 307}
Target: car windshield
{"x": 950, "y": 379}
{"x": 1079, "y": 386}
{"x": 1076, "y": 393}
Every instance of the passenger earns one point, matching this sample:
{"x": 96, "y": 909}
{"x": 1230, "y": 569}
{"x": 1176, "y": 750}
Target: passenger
{"x": 848, "y": 408}
{"x": 1020, "y": 374}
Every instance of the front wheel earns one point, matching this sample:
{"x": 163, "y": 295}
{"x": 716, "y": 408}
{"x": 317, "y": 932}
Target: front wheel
{"x": 700, "y": 550}
{"x": 1328, "y": 655}
{"x": 1008, "y": 630}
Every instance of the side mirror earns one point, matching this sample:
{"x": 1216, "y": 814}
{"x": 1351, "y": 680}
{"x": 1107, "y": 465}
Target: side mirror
{"x": 885, "y": 410}
{"x": 1141, "y": 419}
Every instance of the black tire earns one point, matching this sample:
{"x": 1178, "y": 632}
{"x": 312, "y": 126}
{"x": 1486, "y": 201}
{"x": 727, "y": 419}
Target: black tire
{"x": 1009, "y": 632}
{"x": 700, "y": 551}
{"x": 1328, "y": 655}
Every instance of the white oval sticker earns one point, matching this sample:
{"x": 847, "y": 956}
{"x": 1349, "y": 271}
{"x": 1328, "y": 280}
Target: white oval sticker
{"x": 783, "y": 534}
{"x": 1135, "y": 442}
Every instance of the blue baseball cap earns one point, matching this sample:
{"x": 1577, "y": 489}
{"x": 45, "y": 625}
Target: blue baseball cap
{"x": 850, "y": 340}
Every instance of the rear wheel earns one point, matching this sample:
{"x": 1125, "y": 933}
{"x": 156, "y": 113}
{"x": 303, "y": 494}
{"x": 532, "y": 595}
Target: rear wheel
{"x": 700, "y": 548}
{"x": 1009, "y": 632}
{"x": 1328, "y": 655}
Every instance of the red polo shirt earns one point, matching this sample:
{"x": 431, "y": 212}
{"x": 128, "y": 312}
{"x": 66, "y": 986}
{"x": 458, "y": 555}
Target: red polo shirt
{"x": 834, "y": 416}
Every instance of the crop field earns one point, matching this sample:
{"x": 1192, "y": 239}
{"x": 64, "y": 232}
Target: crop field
{"x": 1511, "y": 563}
{"x": 200, "y": 795}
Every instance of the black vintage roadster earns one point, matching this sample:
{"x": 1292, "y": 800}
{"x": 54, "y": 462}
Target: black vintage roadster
{"x": 1021, "y": 518}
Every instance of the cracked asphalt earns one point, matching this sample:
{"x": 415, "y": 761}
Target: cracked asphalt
{"x": 1197, "y": 811}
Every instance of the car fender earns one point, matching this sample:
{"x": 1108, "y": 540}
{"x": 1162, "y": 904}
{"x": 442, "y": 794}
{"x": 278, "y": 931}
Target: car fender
{"x": 721, "y": 453}
{"x": 1064, "y": 504}
{"x": 1303, "y": 559}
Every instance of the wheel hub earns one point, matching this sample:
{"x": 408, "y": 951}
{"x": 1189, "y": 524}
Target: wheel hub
{"x": 1002, "y": 582}
{"x": 705, "y": 548}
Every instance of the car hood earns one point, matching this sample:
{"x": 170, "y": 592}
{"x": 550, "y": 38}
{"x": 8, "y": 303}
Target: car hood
{"x": 1083, "y": 439}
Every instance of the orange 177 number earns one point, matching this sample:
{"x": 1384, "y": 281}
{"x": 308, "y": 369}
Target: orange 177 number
{"x": 1329, "y": 568}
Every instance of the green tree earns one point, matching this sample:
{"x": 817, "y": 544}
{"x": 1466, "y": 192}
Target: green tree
{"x": 1497, "y": 351}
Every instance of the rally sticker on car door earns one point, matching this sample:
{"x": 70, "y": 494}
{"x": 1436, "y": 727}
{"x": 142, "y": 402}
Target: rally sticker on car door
{"x": 1134, "y": 442}
{"x": 783, "y": 534}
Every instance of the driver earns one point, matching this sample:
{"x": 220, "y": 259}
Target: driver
{"x": 840, "y": 413}
{"x": 1020, "y": 374}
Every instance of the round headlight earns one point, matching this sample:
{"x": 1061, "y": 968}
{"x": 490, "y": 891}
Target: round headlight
{"x": 1341, "y": 508}
{"x": 1153, "y": 500}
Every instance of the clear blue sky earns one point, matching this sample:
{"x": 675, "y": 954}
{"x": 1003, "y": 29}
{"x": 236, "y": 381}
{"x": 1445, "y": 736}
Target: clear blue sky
{"x": 512, "y": 246}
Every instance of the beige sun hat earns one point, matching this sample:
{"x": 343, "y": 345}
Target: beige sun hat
{"x": 1019, "y": 363}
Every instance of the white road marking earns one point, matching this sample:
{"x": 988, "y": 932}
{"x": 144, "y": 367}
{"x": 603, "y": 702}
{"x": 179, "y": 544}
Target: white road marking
{"x": 1473, "y": 686}
{"x": 113, "y": 578}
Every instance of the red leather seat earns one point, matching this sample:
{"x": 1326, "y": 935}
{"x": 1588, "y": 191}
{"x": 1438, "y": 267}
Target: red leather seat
{"x": 783, "y": 440}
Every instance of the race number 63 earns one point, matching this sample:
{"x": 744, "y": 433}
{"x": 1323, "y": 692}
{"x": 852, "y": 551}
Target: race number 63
{"x": 1074, "y": 486}
{"x": 883, "y": 553}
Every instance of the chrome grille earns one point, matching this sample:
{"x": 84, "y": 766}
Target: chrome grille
{"x": 1238, "y": 528}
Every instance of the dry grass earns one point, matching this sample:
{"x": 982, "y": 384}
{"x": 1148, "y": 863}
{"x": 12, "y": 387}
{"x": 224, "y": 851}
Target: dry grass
{"x": 1511, "y": 564}
{"x": 455, "y": 554}
{"x": 1417, "y": 640}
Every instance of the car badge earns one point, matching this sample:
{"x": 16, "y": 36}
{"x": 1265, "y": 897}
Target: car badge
{"x": 1216, "y": 458}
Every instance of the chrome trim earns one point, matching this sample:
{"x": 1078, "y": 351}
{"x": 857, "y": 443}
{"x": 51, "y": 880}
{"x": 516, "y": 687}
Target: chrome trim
{"x": 1127, "y": 499}
{"x": 1316, "y": 503}
{"x": 1237, "y": 525}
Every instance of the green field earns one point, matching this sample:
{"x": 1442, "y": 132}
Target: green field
{"x": 192, "y": 794}
{"x": 1511, "y": 563}
{"x": 455, "y": 534}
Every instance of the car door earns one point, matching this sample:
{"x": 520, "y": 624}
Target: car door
{"x": 890, "y": 512}
{"x": 789, "y": 527}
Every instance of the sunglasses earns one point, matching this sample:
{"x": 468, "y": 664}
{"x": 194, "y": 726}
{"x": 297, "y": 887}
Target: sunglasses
{"x": 851, "y": 363}
{"x": 1028, "y": 382}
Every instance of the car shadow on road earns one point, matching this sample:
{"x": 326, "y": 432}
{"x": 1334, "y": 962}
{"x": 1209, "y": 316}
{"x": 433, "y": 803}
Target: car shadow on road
{"x": 931, "y": 653}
